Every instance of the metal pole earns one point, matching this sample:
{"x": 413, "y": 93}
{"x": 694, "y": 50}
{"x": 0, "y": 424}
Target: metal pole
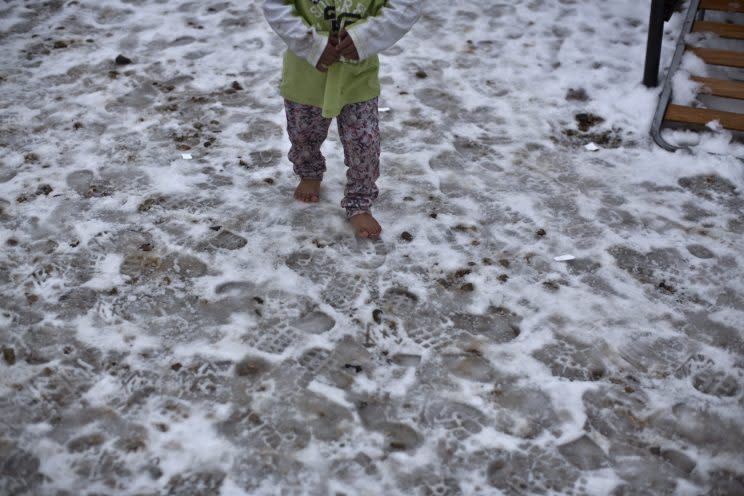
{"x": 666, "y": 93}
{"x": 653, "y": 46}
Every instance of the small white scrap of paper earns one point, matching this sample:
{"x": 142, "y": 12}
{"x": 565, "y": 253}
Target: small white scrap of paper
{"x": 564, "y": 258}
{"x": 592, "y": 147}
{"x": 384, "y": 109}
{"x": 186, "y": 156}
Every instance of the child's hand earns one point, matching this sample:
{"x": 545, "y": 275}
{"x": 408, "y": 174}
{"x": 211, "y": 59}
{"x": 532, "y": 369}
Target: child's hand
{"x": 346, "y": 47}
{"x": 330, "y": 55}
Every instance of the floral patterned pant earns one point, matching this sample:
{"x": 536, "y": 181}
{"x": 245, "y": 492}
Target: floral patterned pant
{"x": 358, "y": 127}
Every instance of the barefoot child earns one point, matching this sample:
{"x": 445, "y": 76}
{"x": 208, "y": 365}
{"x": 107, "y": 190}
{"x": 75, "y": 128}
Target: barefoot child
{"x": 331, "y": 70}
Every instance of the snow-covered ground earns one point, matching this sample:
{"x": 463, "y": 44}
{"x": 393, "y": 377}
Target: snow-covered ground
{"x": 176, "y": 326}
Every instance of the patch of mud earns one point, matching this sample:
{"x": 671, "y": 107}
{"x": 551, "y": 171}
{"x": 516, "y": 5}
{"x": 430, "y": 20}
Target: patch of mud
{"x": 572, "y": 360}
{"x": 499, "y": 324}
{"x": 709, "y": 186}
{"x": 710, "y": 379}
{"x": 648, "y": 267}
{"x": 534, "y": 470}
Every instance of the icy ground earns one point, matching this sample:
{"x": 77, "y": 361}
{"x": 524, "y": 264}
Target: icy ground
{"x": 183, "y": 327}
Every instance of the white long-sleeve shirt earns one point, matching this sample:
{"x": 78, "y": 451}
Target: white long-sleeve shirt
{"x": 374, "y": 35}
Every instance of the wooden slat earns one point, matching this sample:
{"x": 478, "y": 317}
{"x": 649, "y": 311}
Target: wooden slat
{"x": 719, "y": 57}
{"x": 725, "y": 5}
{"x": 689, "y": 115}
{"x": 720, "y": 87}
{"x": 733, "y": 31}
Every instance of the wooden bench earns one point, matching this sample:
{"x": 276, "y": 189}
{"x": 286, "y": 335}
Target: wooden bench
{"x": 714, "y": 56}
{"x": 721, "y": 87}
{"x": 693, "y": 116}
{"x": 723, "y": 5}
{"x": 702, "y": 116}
{"x": 722, "y": 29}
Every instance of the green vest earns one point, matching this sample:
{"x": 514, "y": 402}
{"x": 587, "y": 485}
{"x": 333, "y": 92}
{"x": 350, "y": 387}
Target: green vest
{"x": 346, "y": 81}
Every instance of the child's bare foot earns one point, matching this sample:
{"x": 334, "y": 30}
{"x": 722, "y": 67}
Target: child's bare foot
{"x": 366, "y": 226}
{"x": 308, "y": 190}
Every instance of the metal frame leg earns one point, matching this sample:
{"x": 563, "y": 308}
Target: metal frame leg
{"x": 666, "y": 94}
